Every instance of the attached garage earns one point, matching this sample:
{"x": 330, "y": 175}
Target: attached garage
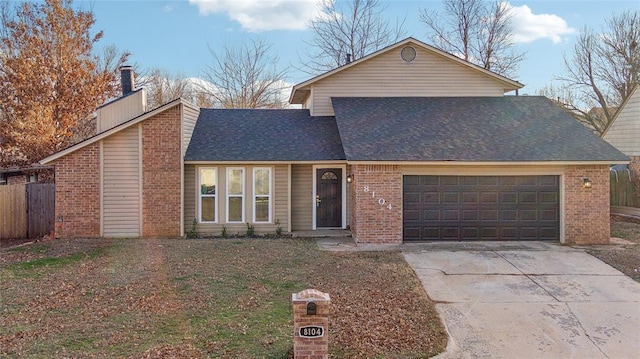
{"x": 491, "y": 208}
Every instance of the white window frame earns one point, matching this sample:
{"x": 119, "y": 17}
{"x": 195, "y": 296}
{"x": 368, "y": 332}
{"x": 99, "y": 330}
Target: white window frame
{"x": 200, "y": 195}
{"x": 269, "y": 196}
{"x": 244, "y": 175}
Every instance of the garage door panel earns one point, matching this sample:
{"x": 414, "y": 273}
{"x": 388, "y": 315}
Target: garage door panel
{"x": 528, "y": 215}
{"x": 470, "y": 215}
{"x": 481, "y": 208}
{"x": 489, "y": 197}
{"x": 509, "y": 197}
{"x": 449, "y": 180}
{"x": 548, "y": 197}
{"x": 470, "y": 197}
{"x": 548, "y": 215}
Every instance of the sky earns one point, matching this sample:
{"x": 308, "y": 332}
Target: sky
{"x": 178, "y": 35}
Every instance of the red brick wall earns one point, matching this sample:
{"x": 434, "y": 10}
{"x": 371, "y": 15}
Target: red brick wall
{"x": 161, "y": 176}
{"x": 78, "y": 193}
{"x": 586, "y": 210}
{"x": 17, "y": 179}
{"x": 374, "y": 189}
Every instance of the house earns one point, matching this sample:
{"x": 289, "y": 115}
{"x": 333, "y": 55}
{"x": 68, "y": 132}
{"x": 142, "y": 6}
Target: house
{"x": 28, "y": 174}
{"x": 624, "y": 131}
{"x": 407, "y": 144}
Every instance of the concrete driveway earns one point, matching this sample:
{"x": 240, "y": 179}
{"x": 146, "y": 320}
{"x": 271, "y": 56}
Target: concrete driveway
{"x": 531, "y": 300}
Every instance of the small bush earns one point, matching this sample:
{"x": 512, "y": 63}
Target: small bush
{"x": 193, "y": 233}
{"x": 251, "y": 231}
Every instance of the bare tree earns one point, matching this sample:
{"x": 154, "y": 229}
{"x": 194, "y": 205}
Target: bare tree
{"x": 51, "y": 81}
{"x": 477, "y": 31}
{"x": 356, "y": 28}
{"x": 602, "y": 71}
{"x": 245, "y": 75}
{"x": 163, "y": 86}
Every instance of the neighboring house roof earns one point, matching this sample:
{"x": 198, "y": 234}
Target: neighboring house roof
{"x": 624, "y": 130}
{"x": 300, "y": 91}
{"x": 115, "y": 129}
{"x": 474, "y": 129}
{"x": 263, "y": 135}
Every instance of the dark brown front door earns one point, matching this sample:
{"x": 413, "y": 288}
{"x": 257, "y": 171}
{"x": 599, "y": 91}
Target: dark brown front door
{"x": 329, "y": 197}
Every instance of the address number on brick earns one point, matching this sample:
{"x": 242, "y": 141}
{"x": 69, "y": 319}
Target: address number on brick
{"x": 311, "y": 331}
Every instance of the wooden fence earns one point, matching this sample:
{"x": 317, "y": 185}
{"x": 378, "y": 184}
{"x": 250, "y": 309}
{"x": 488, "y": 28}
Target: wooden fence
{"x": 622, "y": 189}
{"x": 27, "y": 210}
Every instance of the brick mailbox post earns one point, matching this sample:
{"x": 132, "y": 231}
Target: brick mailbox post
{"x": 311, "y": 324}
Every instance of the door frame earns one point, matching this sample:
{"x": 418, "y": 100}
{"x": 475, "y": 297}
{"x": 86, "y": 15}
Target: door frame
{"x": 343, "y": 169}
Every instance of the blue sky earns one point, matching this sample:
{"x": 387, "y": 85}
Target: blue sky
{"x": 175, "y": 35}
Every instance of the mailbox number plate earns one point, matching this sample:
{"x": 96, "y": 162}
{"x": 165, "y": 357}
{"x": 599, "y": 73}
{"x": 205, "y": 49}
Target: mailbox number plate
{"x": 311, "y": 331}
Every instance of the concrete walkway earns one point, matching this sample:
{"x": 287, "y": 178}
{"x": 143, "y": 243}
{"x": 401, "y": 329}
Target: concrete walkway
{"x": 534, "y": 300}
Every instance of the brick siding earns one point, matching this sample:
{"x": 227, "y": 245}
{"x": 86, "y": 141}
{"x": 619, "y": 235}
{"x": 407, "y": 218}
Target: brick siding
{"x": 375, "y": 188}
{"x": 78, "y": 193}
{"x": 161, "y": 176}
{"x": 586, "y": 210}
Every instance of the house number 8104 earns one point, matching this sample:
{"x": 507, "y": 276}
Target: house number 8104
{"x": 381, "y": 201}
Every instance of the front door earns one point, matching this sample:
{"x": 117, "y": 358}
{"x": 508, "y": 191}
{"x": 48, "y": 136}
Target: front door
{"x": 329, "y": 197}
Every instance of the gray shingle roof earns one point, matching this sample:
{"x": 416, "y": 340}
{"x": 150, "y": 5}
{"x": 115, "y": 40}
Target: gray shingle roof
{"x": 263, "y": 135}
{"x": 510, "y": 128}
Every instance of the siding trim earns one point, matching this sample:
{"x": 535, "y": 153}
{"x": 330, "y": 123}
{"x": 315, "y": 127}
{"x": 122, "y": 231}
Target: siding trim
{"x": 101, "y": 174}
{"x": 487, "y": 163}
{"x": 289, "y": 198}
{"x": 259, "y": 163}
{"x": 561, "y": 198}
{"x": 140, "y": 178}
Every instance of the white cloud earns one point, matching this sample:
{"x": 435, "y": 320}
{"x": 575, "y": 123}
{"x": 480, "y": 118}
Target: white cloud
{"x": 167, "y": 8}
{"x": 263, "y": 15}
{"x": 529, "y": 27}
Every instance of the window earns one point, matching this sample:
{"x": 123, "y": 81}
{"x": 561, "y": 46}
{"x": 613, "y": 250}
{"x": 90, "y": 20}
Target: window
{"x": 262, "y": 194}
{"x": 207, "y": 198}
{"x": 235, "y": 195}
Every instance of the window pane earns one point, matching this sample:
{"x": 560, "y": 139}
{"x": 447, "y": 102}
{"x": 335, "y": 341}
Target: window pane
{"x": 329, "y": 176}
{"x": 207, "y": 181}
{"x": 235, "y": 181}
{"x": 235, "y": 209}
{"x": 208, "y": 209}
{"x": 262, "y": 182}
{"x": 262, "y": 209}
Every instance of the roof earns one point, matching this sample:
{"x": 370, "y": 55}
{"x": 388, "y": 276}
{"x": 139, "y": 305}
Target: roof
{"x": 299, "y": 91}
{"x": 264, "y": 135}
{"x": 118, "y": 128}
{"x": 474, "y": 129}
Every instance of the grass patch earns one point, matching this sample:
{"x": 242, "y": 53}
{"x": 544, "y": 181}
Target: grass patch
{"x": 51, "y": 262}
{"x": 209, "y": 299}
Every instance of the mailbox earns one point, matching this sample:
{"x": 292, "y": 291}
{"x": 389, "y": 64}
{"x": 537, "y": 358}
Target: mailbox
{"x": 311, "y": 310}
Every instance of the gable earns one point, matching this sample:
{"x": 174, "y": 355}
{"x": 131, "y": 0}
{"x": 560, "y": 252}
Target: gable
{"x": 118, "y": 128}
{"x": 432, "y": 73}
{"x": 624, "y": 132}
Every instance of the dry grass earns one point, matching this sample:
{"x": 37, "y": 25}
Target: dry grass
{"x": 205, "y": 298}
{"x": 625, "y": 258}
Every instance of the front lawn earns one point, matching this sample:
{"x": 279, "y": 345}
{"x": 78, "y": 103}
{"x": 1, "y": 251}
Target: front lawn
{"x": 205, "y": 298}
